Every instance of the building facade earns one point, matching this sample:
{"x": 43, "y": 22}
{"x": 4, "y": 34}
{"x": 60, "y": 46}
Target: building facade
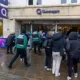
{"x": 42, "y": 14}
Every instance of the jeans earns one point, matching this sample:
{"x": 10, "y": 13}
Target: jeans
{"x": 35, "y": 45}
{"x": 9, "y": 48}
{"x": 48, "y": 60}
{"x": 19, "y": 52}
{"x": 72, "y": 63}
{"x": 56, "y": 62}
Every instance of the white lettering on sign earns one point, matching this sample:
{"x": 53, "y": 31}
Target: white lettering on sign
{"x": 4, "y": 12}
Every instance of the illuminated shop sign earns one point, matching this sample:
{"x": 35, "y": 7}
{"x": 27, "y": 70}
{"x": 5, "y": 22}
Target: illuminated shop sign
{"x": 43, "y": 11}
{"x": 3, "y": 12}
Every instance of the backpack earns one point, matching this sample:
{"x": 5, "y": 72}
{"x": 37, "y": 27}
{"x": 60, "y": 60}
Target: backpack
{"x": 35, "y": 36}
{"x": 21, "y": 41}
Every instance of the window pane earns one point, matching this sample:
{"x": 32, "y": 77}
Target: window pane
{"x": 63, "y": 1}
{"x": 30, "y": 2}
{"x": 73, "y": 1}
{"x": 38, "y": 2}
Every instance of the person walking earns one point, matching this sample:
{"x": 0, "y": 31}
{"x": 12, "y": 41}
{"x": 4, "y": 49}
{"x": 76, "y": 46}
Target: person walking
{"x": 21, "y": 45}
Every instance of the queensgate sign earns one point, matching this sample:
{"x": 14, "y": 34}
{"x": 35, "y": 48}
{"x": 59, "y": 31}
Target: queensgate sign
{"x": 43, "y": 11}
{"x": 3, "y": 10}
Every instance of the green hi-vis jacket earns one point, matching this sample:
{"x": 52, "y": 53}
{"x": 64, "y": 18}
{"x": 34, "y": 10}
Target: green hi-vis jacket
{"x": 38, "y": 39}
{"x": 25, "y": 42}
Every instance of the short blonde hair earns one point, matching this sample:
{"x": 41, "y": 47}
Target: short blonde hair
{"x": 50, "y": 33}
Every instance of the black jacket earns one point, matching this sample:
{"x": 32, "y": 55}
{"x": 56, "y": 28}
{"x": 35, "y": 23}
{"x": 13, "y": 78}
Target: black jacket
{"x": 73, "y": 46}
{"x": 10, "y": 39}
{"x": 58, "y": 43}
{"x": 49, "y": 42}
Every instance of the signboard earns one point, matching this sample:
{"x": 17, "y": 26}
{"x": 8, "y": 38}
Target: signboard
{"x": 44, "y": 11}
{"x": 2, "y": 42}
{"x": 5, "y": 2}
{"x": 3, "y": 12}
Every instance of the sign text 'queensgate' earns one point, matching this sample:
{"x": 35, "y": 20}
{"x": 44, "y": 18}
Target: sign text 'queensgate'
{"x": 40, "y": 11}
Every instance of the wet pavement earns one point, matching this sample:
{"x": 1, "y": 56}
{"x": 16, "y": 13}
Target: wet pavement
{"x": 35, "y": 72}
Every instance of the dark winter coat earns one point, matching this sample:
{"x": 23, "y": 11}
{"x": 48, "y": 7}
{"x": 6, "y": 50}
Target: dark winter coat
{"x": 73, "y": 46}
{"x": 49, "y": 42}
{"x": 58, "y": 43}
{"x": 10, "y": 39}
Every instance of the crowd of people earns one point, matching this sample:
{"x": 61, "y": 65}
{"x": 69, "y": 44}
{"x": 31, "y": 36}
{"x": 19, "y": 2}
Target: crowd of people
{"x": 57, "y": 46}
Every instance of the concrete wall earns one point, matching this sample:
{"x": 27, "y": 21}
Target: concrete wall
{"x": 10, "y": 26}
{"x": 66, "y": 12}
{"x": 17, "y": 27}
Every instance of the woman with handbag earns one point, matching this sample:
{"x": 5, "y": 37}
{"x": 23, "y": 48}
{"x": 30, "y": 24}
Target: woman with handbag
{"x": 58, "y": 44}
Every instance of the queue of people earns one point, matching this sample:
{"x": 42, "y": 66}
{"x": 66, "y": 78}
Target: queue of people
{"x": 54, "y": 44}
{"x": 55, "y": 48}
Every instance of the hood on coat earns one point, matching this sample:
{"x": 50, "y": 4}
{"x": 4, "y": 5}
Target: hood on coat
{"x": 57, "y": 36}
{"x": 73, "y": 36}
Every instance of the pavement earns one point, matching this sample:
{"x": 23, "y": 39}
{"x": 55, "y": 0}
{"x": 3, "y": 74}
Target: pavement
{"x": 35, "y": 72}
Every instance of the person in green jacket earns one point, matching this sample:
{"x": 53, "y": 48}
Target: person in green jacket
{"x": 21, "y": 46}
{"x": 36, "y": 40}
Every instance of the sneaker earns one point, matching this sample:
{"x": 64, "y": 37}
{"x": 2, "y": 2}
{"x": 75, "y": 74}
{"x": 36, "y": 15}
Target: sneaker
{"x": 56, "y": 75}
{"x": 53, "y": 72}
{"x": 75, "y": 75}
{"x": 21, "y": 59}
{"x": 45, "y": 67}
{"x": 10, "y": 67}
{"x": 68, "y": 78}
{"x": 48, "y": 69}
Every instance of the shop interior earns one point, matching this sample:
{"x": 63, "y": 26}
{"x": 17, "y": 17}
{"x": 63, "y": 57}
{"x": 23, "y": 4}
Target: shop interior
{"x": 1, "y": 28}
{"x": 65, "y": 28}
{"x": 38, "y": 27}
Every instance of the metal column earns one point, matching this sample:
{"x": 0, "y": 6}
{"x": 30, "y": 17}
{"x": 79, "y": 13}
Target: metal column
{"x": 56, "y": 27}
{"x": 31, "y": 28}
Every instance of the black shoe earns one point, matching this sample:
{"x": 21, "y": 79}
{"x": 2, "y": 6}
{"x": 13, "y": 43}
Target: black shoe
{"x": 10, "y": 67}
{"x": 27, "y": 65}
{"x": 7, "y": 53}
{"x": 39, "y": 54}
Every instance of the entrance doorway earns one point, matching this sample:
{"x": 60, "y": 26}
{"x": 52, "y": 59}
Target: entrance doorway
{"x": 37, "y": 27}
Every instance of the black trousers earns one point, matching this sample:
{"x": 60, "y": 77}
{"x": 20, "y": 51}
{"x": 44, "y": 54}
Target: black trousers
{"x": 9, "y": 48}
{"x": 48, "y": 60}
{"x": 72, "y": 63}
{"x": 19, "y": 52}
{"x": 37, "y": 45}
